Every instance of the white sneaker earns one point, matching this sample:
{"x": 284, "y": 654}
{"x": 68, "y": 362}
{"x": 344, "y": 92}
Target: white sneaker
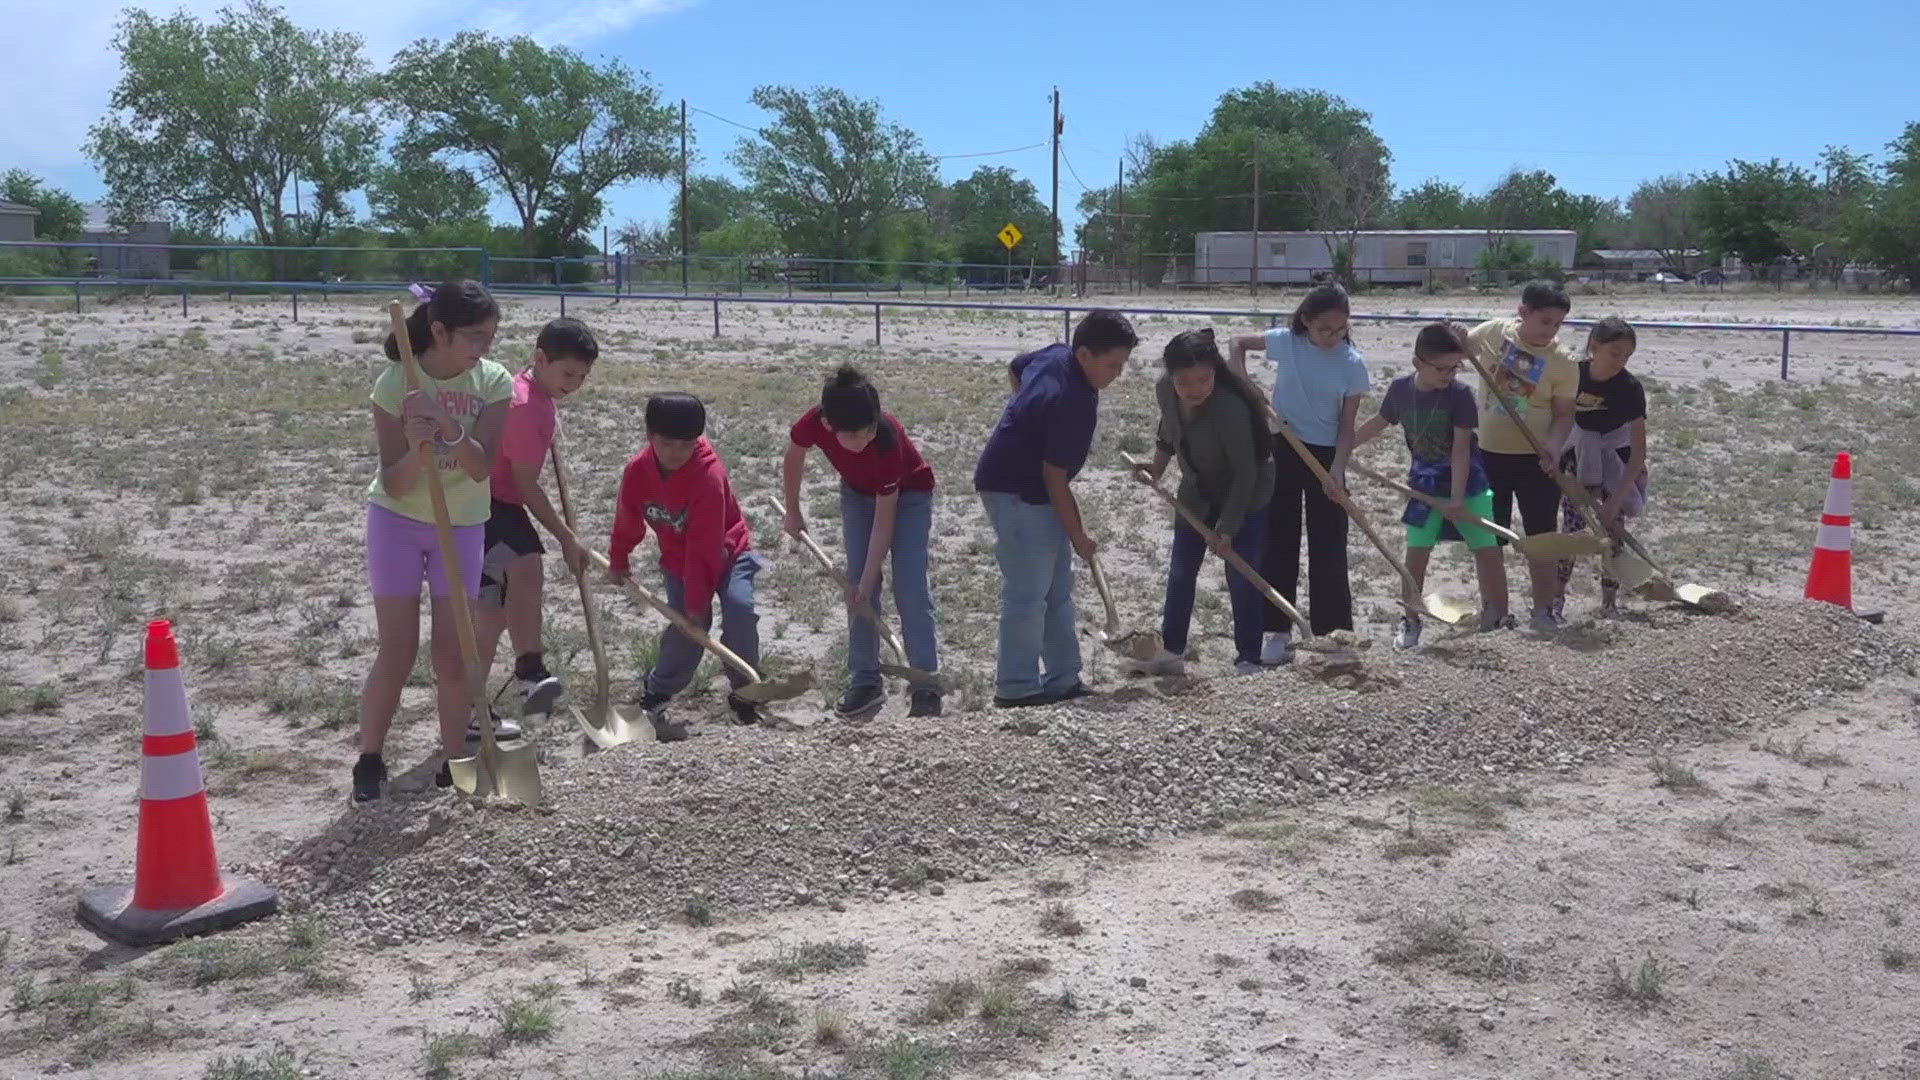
{"x": 1246, "y": 667}
{"x": 1163, "y": 663}
{"x": 1407, "y": 635}
{"x": 1276, "y": 650}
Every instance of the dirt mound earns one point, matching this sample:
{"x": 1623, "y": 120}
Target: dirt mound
{"x": 743, "y": 819}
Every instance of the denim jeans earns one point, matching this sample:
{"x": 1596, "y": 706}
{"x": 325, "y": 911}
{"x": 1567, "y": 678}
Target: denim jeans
{"x": 739, "y": 630}
{"x": 1036, "y": 598}
{"x": 1249, "y": 614}
{"x": 912, "y": 595}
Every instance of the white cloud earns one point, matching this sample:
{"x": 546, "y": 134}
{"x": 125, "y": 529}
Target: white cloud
{"x": 58, "y": 67}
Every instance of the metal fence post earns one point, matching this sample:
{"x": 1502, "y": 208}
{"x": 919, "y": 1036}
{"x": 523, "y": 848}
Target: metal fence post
{"x": 486, "y": 267}
{"x": 228, "y": 255}
{"x": 76, "y": 298}
{"x": 563, "y": 303}
{"x": 296, "y": 305}
{"x": 876, "y": 326}
{"x": 716, "y": 318}
{"x": 1066, "y": 324}
{"x": 183, "y": 300}
{"x": 1786, "y": 343}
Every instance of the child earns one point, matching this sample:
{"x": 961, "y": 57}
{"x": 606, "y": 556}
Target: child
{"x": 510, "y": 584}
{"x": 1216, "y": 422}
{"x": 1609, "y": 452}
{"x": 1438, "y": 416}
{"x": 1035, "y": 450}
{"x": 1535, "y": 373}
{"x": 460, "y": 409}
{"x": 886, "y": 506}
{"x": 679, "y": 487}
{"x": 1318, "y": 381}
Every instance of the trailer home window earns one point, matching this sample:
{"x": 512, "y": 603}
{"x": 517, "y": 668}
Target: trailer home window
{"x": 1416, "y": 253}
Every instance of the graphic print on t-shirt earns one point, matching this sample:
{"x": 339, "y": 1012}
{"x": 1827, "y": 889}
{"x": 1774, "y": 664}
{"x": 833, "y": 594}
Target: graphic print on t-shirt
{"x": 1517, "y": 376}
{"x": 1428, "y": 425}
{"x": 662, "y": 518}
{"x": 464, "y": 409}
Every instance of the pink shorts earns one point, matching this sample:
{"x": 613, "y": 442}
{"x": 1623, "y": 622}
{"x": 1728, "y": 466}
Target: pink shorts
{"x": 400, "y": 549}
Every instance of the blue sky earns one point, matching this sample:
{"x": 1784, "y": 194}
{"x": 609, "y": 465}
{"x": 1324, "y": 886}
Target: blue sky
{"x": 1461, "y": 91}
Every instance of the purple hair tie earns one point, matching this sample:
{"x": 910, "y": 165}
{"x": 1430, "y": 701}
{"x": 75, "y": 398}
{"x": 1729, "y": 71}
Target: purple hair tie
{"x": 420, "y": 292}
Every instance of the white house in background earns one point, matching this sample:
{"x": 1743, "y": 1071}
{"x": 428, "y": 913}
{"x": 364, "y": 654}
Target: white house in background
{"x": 1382, "y": 256}
{"x": 17, "y": 221}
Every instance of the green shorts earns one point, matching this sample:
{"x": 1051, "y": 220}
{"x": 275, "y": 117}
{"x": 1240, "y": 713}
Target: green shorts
{"x": 1428, "y": 534}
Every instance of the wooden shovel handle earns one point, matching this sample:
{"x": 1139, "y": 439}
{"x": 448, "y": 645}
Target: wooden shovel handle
{"x": 602, "y": 678}
{"x": 449, "y": 552}
{"x": 1434, "y": 501}
{"x": 1346, "y": 502}
{"x": 1233, "y": 557}
{"x": 681, "y": 622}
{"x": 1106, "y": 596}
{"x": 863, "y": 609}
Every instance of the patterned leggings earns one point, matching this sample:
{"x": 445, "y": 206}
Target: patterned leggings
{"x": 1573, "y": 521}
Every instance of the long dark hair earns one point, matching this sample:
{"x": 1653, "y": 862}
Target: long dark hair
{"x": 1319, "y": 300}
{"x": 851, "y": 403}
{"x": 452, "y": 304}
{"x": 1191, "y": 348}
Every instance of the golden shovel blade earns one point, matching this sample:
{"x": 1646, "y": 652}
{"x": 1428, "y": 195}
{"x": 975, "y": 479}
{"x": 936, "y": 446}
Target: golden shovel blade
{"x": 609, "y": 727}
{"x": 930, "y": 680}
{"x": 1140, "y": 645}
{"x": 1630, "y": 570}
{"x": 1445, "y": 609}
{"x": 779, "y": 688}
{"x": 512, "y": 774}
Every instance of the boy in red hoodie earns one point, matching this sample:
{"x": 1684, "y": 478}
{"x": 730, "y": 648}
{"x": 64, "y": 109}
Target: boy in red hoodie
{"x": 679, "y": 487}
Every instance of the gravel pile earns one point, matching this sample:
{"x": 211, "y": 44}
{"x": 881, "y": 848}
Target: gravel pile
{"x": 756, "y": 818}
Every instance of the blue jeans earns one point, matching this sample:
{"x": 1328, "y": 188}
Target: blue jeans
{"x": 1249, "y": 614}
{"x": 912, "y": 596}
{"x": 739, "y": 630}
{"x": 1036, "y": 598}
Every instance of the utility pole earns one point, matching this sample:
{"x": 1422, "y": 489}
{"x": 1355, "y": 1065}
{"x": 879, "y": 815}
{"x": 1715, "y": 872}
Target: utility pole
{"x": 1056, "y": 181}
{"x": 685, "y": 287}
{"x": 1120, "y": 214}
{"x": 1253, "y": 275}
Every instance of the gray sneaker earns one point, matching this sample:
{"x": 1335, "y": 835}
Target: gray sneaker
{"x": 860, "y": 701}
{"x": 505, "y": 728}
{"x": 1495, "y": 620}
{"x": 1407, "y": 635}
{"x": 665, "y": 728}
{"x": 1277, "y": 649}
{"x": 1543, "y": 622}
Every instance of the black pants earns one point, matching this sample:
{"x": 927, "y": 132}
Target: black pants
{"x": 1519, "y": 478}
{"x": 1295, "y": 486}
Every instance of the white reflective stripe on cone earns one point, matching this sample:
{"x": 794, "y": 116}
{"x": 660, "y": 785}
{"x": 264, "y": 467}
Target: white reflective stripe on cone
{"x": 1834, "y": 538}
{"x": 1840, "y": 498}
{"x": 174, "y": 776}
{"x": 167, "y": 712}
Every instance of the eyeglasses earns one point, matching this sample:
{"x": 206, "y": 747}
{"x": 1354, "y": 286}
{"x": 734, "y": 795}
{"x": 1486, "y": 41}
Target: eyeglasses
{"x": 1439, "y": 369}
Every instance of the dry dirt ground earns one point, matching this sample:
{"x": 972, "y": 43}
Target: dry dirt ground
{"x": 1701, "y": 864}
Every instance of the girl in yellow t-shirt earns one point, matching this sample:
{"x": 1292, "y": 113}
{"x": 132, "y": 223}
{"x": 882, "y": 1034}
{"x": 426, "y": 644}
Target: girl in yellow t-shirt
{"x": 460, "y": 409}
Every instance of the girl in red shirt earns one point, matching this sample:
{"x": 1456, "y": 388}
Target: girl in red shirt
{"x": 886, "y": 505}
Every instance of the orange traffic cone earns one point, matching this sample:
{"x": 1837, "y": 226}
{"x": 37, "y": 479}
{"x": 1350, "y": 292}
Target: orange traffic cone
{"x": 1830, "y": 579}
{"x": 178, "y": 889}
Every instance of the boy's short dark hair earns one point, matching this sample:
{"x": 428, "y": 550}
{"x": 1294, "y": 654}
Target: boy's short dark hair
{"x": 1544, "y": 295}
{"x": 568, "y": 339}
{"x": 1611, "y": 329}
{"x": 1436, "y": 340}
{"x": 1103, "y": 329}
{"x": 676, "y": 416}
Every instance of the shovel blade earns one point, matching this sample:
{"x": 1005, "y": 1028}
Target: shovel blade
{"x": 1711, "y": 601}
{"x": 1561, "y": 545}
{"x": 512, "y": 774}
{"x": 608, "y": 727}
{"x": 1139, "y": 645}
{"x": 1446, "y": 610}
{"x": 928, "y": 679}
{"x": 1628, "y": 569}
{"x": 782, "y": 688}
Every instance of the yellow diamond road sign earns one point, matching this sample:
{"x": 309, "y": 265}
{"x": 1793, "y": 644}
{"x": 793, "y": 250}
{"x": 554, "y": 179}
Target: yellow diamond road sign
{"x": 1010, "y": 236}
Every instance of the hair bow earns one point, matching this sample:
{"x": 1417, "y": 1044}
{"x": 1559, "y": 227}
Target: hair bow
{"x": 420, "y": 292}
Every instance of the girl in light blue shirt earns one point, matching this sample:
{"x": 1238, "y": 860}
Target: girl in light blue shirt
{"x": 1318, "y": 381}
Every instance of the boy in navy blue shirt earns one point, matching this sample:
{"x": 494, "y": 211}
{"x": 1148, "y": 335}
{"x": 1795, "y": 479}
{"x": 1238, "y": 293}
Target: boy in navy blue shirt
{"x": 1039, "y": 445}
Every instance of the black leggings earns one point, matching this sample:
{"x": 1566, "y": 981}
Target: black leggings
{"x": 1295, "y": 486}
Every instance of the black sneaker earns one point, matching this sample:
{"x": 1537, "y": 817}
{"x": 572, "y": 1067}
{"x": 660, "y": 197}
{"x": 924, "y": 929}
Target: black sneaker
{"x": 744, "y": 711}
{"x": 925, "y": 703}
{"x": 1028, "y": 702}
{"x": 443, "y": 778}
{"x": 1077, "y": 690}
{"x": 538, "y": 688}
{"x": 665, "y": 728}
{"x": 368, "y": 774}
{"x": 860, "y": 701}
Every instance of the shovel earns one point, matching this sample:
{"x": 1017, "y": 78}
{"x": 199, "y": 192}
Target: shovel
{"x": 1443, "y": 610}
{"x": 1137, "y": 645}
{"x": 1307, "y": 640}
{"x": 756, "y": 690}
{"x": 513, "y": 773}
{"x": 1544, "y": 546}
{"x": 898, "y": 670}
{"x": 1633, "y": 568}
{"x": 602, "y": 723}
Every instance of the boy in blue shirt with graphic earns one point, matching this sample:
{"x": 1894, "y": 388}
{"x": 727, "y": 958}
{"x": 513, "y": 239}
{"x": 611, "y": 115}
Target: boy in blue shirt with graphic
{"x": 1035, "y": 451}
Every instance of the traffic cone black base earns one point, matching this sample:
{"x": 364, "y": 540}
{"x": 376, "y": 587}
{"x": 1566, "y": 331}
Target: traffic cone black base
{"x": 110, "y": 912}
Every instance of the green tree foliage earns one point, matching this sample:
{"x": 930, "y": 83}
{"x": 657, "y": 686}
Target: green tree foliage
{"x": 1436, "y": 204}
{"x": 217, "y": 120}
{"x": 1663, "y": 216}
{"x": 413, "y": 195}
{"x": 61, "y": 215}
{"x": 1886, "y": 227}
{"x": 970, "y": 213}
{"x": 1748, "y": 210}
{"x": 542, "y": 126}
{"x": 831, "y": 172}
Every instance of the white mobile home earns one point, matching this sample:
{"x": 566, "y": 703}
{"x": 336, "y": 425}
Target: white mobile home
{"x": 1409, "y": 256}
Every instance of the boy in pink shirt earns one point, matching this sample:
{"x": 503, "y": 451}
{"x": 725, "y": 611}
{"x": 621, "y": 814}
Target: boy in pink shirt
{"x": 511, "y": 573}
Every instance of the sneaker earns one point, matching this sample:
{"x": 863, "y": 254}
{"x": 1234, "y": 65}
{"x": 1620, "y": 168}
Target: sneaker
{"x": 505, "y": 728}
{"x": 665, "y": 728}
{"x": 443, "y": 778}
{"x": 1163, "y": 662}
{"x": 925, "y": 703}
{"x": 744, "y": 711}
{"x": 860, "y": 701}
{"x": 1001, "y": 701}
{"x": 1077, "y": 690}
{"x": 1558, "y": 610}
{"x": 1277, "y": 649}
{"x": 1494, "y": 620}
{"x": 1543, "y": 622}
{"x": 538, "y": 688}
{"x": 1247, "y": 667}
{"x": 368, "y": 774}
{"x": 1407, "y": 635}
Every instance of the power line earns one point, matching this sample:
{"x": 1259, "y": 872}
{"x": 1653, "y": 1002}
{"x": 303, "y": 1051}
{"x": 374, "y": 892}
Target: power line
{"x": 1073, "y": 173}
{"x": 991, "y": 153}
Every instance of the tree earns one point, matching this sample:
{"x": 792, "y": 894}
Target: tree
{"x": 1347, "y": 191}
{"x": 750, "y": 237}
{"x": 1887, "y": 231}
{"x": 61, "y": 215}
{"x": 1747, "y": 210}
{"x": 542, "y": 126}
{"x": 218, "y": 120}
{"x": 830, "y": 172}
{"x": 974, "y": 210}
{"x": 714, "y": 202}
{"x": 1662, "y": 216}
{"x": 1436, "y": 204}
{"x": 413, "y": 194}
